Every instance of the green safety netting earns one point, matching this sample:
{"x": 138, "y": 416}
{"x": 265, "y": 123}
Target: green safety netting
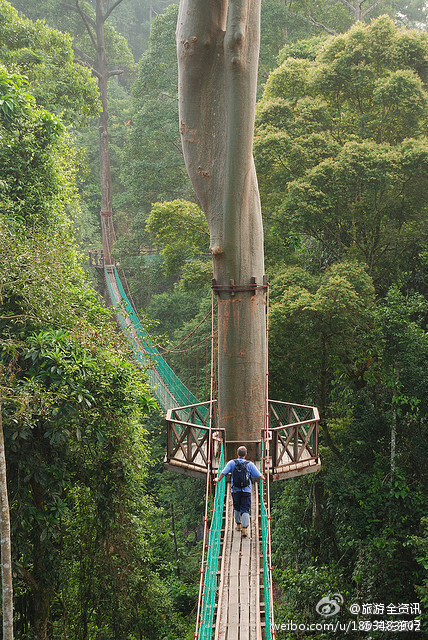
{"x": 264, "y": 525}
{"x": 211, "y": 564}
{"x": 266, "y": 577}
{"x": 168, "y": 389}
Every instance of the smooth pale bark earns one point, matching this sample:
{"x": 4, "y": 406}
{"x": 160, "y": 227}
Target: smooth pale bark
{"x": 5, "y": 544}
{"x": 355, "y": 7}
{"x": 218, "y": 47}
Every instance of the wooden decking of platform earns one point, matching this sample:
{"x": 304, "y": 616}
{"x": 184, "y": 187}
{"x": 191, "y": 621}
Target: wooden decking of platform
{"x": 240, "y": 614}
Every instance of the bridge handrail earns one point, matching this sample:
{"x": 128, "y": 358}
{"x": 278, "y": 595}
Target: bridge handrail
{"x": 266, "y": 545}
{"x": 208, "y": 590}
{"x": 294, "y": 404}
{"x": 293, "y": 425}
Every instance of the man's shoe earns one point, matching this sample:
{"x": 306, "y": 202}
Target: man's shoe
{"x": 238, "y": 526}
{"x": 244, "y": 531}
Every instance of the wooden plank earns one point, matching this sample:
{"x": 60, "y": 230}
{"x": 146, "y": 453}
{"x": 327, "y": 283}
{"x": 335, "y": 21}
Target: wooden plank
{"x": 233, "y": 604}
{"x": 244, "y": 590}
{"x": 258, "y": 550}
{"x": 244, "y": 584}
{"x": 299, "y": 471}
{"x": 254, "y": 567}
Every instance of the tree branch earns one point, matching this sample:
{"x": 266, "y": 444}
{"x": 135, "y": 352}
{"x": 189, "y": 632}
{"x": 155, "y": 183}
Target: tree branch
{"x": 28, "y": 577}
{"x": 370, "y": 9}
{"x": 78, "y": 9}
{"x": 349, "y": 5}
{"x": 115, "y": 72}
{"x": 20, "y": 315}
{"x": 84, "y": 57}
{"x": 112, "y": 8}
{"x": 89, "y": 22}
{"x": 319, "y": 24}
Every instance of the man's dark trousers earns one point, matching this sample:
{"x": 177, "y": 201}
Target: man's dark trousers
{"x": 242, "y": 505}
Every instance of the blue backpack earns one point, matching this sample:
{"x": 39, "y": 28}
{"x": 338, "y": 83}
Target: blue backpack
{"x": 240, "y": 476}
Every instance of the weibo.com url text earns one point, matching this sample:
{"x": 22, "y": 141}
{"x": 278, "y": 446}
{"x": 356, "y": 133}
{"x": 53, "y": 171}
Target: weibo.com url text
{"x": 351, "y": 625}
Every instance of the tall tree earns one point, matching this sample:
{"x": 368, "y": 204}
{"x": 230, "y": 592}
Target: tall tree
{"x": 341, "y": 148}
{"x": 45, "y": 57}
{"x": 218, "y": 47}
{"x": 100, "y": 68}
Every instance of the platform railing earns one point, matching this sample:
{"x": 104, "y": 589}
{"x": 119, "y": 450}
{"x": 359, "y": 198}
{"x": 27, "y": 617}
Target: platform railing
{"x": 188, "y": 441}
{"x": 293, "y": 430}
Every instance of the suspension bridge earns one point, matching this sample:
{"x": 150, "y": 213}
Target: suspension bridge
{"x": 235, "y": 595}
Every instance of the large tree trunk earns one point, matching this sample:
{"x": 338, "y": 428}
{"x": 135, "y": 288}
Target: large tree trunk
{"x": 6, "y": 553}
{"x": 218, "y": 47}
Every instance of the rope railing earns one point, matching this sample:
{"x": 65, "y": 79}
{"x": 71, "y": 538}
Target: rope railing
{"x": 266, "y": 548}
{"x": 208, "y": 590}
{"x": 265, "y": 501}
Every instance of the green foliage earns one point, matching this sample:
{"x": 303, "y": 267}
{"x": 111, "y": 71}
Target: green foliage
{"x": 368, "y": 202}
{"x": 324, "y": 316}
{"x": 181, "y": 231}
{"x": 36, "y": 176}
{"x": 80, "y": 442}
{"x": 340, "y": 147}
{"x": 301, "y": 590}
{"x": 164, "y": 306}
{"x": 335, "y": 17}
{"x": 279, "y": 24}
{"x": 59, "y": 16}
{"x": 420, "y": 546}
{"x": 88, "y": 552}
{"x": 153, "y": 168}
{"x": 45, "y": 56}
{"x": 341, "y": 155}
{"x": 131, "y": 18}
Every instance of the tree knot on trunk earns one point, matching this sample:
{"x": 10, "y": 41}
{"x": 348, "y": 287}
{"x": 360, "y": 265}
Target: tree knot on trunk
{"x": 188, "y": 44}
{"x": 203, "y": 173}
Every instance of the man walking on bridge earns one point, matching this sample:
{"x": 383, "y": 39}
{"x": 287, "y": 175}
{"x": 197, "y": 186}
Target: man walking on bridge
{"x": 242, "y": 471}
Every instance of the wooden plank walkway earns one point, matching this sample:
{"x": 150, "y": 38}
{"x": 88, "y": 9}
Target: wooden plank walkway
{"x": 238, "y": 606}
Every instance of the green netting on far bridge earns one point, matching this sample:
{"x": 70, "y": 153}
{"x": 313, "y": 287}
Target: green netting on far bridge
{"x": 266, "y": 576}
{"x": 168, "y": 389}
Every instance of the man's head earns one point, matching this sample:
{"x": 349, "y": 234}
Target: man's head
{"x": 242, "y": 452}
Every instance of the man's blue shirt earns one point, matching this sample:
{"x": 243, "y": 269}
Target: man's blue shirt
{"x": 252, "y": 471}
